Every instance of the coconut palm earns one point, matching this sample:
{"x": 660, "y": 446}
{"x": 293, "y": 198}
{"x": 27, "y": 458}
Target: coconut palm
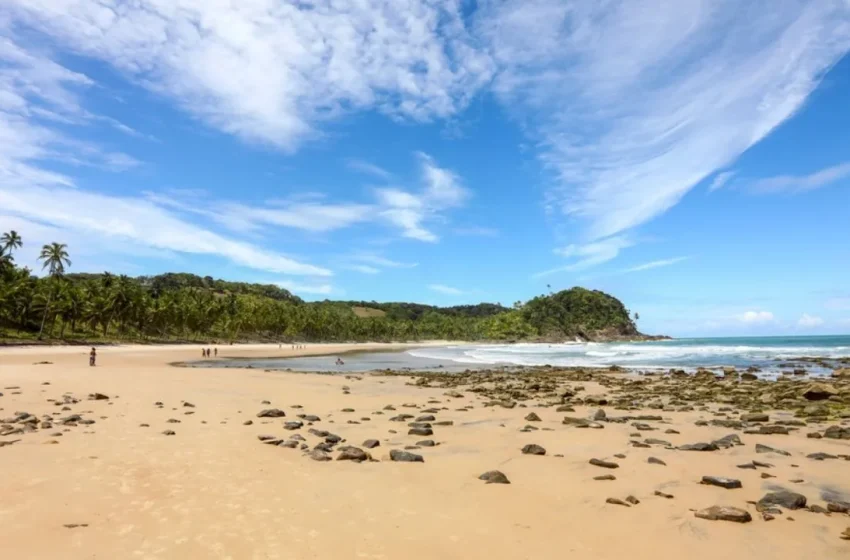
{"x": 10, "y": 241}
{"x": 54, "y": 258}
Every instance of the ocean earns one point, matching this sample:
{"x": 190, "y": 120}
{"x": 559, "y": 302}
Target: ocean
{"x": 771, "y": 354}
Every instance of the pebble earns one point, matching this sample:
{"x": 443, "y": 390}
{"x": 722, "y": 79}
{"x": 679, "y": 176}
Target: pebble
{"x": 656, "y": 461}
{"x": 699, "y": 447}
{"x": 663, "y": 495}
{"x": 605, "y": 477}
{"x": 724, "y": 513}
{"x": 604, "y": 464}
{"x": 371, "y": 443}
{"x": 533, "y": 449}
{"x": 766, "y": 449}
{"x": 494, "y": 477}
{"x": 405, "y": 457}
{"x": 169, "y": 433}
{"x": 617, "y": 502}
{"x": 722, "y": 482}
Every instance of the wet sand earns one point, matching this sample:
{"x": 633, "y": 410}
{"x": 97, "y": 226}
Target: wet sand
{"x": 213, "y": 490}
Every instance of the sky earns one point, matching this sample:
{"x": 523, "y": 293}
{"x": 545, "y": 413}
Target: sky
{"x": 690, "y": 157}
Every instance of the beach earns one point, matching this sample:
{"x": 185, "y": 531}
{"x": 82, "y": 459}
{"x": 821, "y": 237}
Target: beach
{"x": 121, "y": 488}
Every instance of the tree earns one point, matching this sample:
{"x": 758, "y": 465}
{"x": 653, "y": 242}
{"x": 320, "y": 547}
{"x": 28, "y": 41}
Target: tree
{"x": 637, "y": 316}
{"x": 11, "y": 241}
{"x": 54, "y": 258}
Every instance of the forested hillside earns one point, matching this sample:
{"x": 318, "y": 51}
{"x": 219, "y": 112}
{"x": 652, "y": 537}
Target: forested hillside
{"x": 186, "y": 307}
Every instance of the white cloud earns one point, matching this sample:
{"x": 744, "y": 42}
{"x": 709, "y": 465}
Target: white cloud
{"x": 720, "y": 180}
{"x": 271, "y": 71}
{"x": 381, "y": 261}
{"x": 656, "y": 264}
{"x": 137, "y": 220}
{"x": 800, "y": 183}
{"x": 363, "y": 268}
{"x": 447, "y": 290}
{"x": 368, "y": 168}
{"x": 756, "y": 317}
{"x": 589, "y": 255}
{"x": 636, "y": 101}
{"x": 838, "y": 304}
{"x": 809, "y": 321}
{"x": 313, "y": 289}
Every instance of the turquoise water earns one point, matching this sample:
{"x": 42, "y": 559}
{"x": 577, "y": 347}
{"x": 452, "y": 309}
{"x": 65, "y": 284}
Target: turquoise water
{"x": 771, "y": 354}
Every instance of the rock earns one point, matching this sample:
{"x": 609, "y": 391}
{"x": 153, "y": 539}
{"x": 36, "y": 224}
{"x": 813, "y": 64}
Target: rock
{"x": 605, "y": 477}
{"x": 817, "y": 509}
{"x": 533, "y": 449}
{"x": 846, "y": 534}
{"x": 843, "y": 372}
{"x": 265, "y": 437}
{"x": 604, "y": 464}
{"x": 632, "y": 500}
{"x": 271, "y": 413}
{"x": 768, "y": 430}
{"x": 371, "y": 443}
{"x": 405, "y": 457}
{"x": 426, "y": 443}
{"x": 699, "y": 447}
{"x": 188, "y": 404}
{"x": 333, "y": 439}
{"x": 420, "y": 432}
{"x": 765, "y": 449}
{"x": 494, "y": 477}
{"x": 728, "y": 441}
{"x": 532, "y": 417}
{"x": 784, "y": 498}
{"x": 293, "y": 425}
{"x": 838, "y": 507}
{"x": 755, "y": 417}
{"x": 248, "y": 423}
{"x": 837, "y": 432}
{"x": 598, "y": 415}
{"x": 723, "y": 482}
{"x": 309, "y": 418}
{"x": 821, "y": 456}
{"x": 653, "y": 441}
{"x": 578, "y": 422}
{"x": 426, "y": 418}
{"x": 350, "y": 453}
{"x": 724, "y": 513}
{"x": 663, "y": 495}
{"x": 656, "y": 461}
{"x": 818, "y": 392}
{"x": 616, "y": 502}
{"x": 319, "y": 455}
{"x": 98, "y": 397}
{"x": 169, "y": 433}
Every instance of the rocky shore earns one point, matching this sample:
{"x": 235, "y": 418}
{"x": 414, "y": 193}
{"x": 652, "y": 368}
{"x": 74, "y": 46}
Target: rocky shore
{"x": 138, "y": 458}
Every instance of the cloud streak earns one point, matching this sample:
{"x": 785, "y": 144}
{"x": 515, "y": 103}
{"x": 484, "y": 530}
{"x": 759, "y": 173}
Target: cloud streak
{"x": 636, "y": 101}
{"x": 446, "y": 290}
{"x": 589, "y": 255}
{"x": 656, "y": 264}
{"x": 800, "y": 183}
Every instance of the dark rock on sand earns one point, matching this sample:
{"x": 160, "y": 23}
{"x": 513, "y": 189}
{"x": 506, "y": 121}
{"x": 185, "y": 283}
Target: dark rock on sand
{"x": 293, "y": 425}
{"x": 818, "y": 392}
{"x": 837, "y": 432}
{"x": 420, "y": 432}
{"x": 350, "y": 453}
{"x": 169, "y": 433}
{"x": 605, "y": 477}
{"x": 616, "y": 502}
{"x": 405, "y": 457}
{"x": 533, "y": 449}
{"x": 838, "y": 507}
{"x": 656, "y": 461}
{"x": 271, "y": 413}
{"x": 821, "y": 456}
{"x": 604, "y": 464}
{"x": 784, "y": 498}
{"x": 98, "y": 397}
{"x": 766, "y": 449}
{"x": 661, "y": 494}
{"x": 755, "y": 417}
{"x": 494, "y": 477}
{"x": 721, "y": 481}
{"x": 371, "y": 443}
{"x": 319, "y": 455}
{"x": 724, "y": 513}
{"x": 532, "y": 417}
{"x": 699, "y": 447}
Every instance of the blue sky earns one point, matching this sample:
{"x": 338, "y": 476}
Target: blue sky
{"x": 691, "y": 158}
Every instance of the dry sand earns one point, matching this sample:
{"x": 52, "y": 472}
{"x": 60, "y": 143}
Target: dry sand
{"x": 214, "y": 491}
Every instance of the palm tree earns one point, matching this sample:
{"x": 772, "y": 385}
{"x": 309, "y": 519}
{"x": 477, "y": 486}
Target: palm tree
{"x": 54, "y": 258}
{"x": 11, "y": 241}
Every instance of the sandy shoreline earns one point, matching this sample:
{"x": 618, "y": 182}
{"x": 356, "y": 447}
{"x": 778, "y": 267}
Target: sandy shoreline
{"x": 212, "y": 490}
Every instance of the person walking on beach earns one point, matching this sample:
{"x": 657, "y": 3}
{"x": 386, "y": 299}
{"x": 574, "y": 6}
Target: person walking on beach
{"x": 216, "y": 351}
{"x": 92, "y": 357}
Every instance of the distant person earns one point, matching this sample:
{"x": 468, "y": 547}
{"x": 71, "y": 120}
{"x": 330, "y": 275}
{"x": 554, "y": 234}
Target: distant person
{"x": 92, "y": 357}
{"x": 203, "y": 353}
{"x": 209, "y": 352}
{"x": 216, "y": 352}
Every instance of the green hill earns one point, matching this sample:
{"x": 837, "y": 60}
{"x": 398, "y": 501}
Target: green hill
{"x": 186, "y": 307}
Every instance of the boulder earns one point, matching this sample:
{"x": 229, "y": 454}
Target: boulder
{"x": 818, "y": 392}
{"x": 724, "y": 513}
{"x": 784, "y": 498}
{"x": 722, "y": 482}
{"x": 405, "y": 457}
{"x": 271, "y": 413}
{"x": 494, "y": 477}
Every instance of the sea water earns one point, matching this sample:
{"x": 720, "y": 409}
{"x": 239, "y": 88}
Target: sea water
{"x": 771, "y": 354}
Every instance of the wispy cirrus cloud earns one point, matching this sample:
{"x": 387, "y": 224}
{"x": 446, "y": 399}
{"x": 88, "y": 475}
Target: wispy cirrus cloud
{"x": 656, "y": 264}
{"x": 589, "y": 255}
{"x": 368, "y": 168}
{"x": 636, "y": 101}
{"x": 720, "y": 180}
{"x": 800, "y": 183}
{"x": 756, "y": 317}
{"x": 446, "y": 290}
{"x": 809, "y": 321}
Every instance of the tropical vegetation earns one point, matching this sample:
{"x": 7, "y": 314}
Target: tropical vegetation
{"x": 185, "y": 307}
